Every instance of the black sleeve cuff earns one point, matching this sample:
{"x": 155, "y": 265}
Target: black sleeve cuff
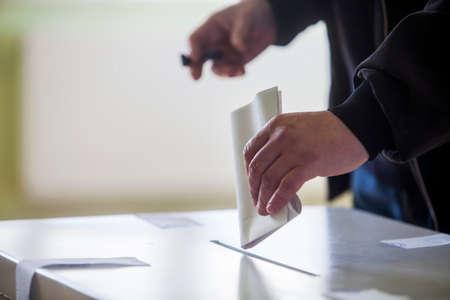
{"x": 362, "y": 114}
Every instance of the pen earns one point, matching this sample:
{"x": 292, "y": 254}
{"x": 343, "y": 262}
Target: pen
{"x": 214, "y": 54}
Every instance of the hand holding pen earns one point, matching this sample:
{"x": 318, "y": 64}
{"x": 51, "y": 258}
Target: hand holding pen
{"x": 231, "y": 38}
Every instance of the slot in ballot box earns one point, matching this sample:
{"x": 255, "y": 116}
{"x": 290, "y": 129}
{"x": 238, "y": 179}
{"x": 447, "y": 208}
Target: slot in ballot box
{"x": 341, "y": 246}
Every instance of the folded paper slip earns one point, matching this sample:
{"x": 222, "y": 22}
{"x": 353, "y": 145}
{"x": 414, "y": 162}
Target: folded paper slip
{"x": 245, "y": 123}
{"x": 25, "y": 269}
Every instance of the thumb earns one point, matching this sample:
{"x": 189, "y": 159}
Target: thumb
{"x": 239, "y": 35}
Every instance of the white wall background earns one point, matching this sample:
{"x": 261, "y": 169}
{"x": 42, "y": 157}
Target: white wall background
{"x": 108, "y": 110}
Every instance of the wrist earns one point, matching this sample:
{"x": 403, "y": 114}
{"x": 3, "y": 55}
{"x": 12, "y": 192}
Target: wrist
{"x": 365, "y": 118}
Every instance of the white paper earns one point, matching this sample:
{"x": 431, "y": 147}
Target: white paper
{"x": 433, "y": 240}
{"x": 372, "y": 294}
{"x": 246, "y": 122}
{"x": 268, "y": 260}
{"x": 168, "y": 222}
{"x": 25, "y": 269}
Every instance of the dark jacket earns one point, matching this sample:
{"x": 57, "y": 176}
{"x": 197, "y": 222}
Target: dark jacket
{"x": 390, "y": 63}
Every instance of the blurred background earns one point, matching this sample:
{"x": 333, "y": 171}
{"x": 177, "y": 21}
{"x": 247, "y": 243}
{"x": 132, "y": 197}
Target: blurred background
{"x": 98, "y": 116}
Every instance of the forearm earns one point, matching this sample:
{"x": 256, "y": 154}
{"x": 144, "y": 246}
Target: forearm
{"x": 402, "y": 104}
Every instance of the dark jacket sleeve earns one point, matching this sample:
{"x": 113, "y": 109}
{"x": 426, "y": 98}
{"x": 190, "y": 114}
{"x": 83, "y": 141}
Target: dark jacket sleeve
{"x": 409, "y": 79}
{"x": 293, "y": 16}
{"x": 362, "y": 114}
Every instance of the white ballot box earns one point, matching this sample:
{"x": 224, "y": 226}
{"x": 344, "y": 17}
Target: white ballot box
{"x": 328, "y": 253}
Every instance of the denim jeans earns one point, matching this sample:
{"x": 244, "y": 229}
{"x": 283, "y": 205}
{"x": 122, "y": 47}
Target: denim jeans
{"x": 389, "y": 197}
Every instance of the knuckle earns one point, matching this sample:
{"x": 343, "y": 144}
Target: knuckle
{"x": 254, "y": 168}
{"x": 214, "y": 17}
{"x": 282, "y": 132}
{"x": 282, "y": 118}
{"x": 193, "y": 38}
{"x": 278, "y": 118}
{"x": 247, "y": 147}
{"x": 278, "y": 127}
{"x": 274, "y": 121}
{"x": 246, "y": 152}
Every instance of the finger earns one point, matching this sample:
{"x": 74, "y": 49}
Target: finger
{"x": 262, "y": 160}
{"x": 287, "y": 189}
{"x": 239, "y": 71}
{"x": 231, "y": 64}
{"x": 196, "y": 70}
{"x": 229, "y": 70}
{"x": 271, "y": 179}
{"x": 197, "y": 43}
{"x": 206, "y": 37}
{"x": 254, "y": 145}
{"x": 239, "y": 35}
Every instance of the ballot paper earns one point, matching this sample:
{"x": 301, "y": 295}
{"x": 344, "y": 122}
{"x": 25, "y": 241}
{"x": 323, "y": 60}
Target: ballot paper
{"x": 245, "y": 123}
{"x": 371, "y": 294}
{"x": 433, "y": 240}
{"x": 26, "y": 268}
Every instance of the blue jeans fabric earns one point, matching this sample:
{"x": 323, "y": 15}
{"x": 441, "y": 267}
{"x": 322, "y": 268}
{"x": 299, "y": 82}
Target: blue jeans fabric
{"x": 374, "y": 191}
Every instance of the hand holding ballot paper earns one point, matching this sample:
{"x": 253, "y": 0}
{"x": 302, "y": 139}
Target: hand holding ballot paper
{"x": 245, "y": 122}
{"x": 275, "y": 154}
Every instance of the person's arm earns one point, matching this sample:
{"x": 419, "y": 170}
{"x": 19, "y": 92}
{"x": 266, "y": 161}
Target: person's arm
{"x": 401, "y": 104}
{"x": 293, "y": 16}
{"x": 405, "y": 83}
